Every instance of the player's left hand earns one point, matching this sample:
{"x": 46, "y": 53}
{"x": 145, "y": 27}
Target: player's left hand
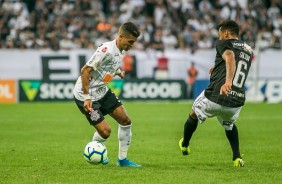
{"x": 122, "y": 74}
{"x": 225, "y": 88}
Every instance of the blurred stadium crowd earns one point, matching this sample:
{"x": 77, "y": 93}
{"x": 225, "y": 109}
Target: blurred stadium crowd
{"x": 165, "y": 24}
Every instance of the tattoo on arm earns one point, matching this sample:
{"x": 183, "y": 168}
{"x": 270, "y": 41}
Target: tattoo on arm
{"x": 229, "y": 58}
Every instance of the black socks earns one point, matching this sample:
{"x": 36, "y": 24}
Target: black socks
{"x": 233, "y": 138}
{"x": 189, "y": 128}
{"x": 232, "y": 135}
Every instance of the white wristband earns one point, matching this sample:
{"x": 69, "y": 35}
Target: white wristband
{"x": 118, "y": 71}
{"x": 86, "y": 97}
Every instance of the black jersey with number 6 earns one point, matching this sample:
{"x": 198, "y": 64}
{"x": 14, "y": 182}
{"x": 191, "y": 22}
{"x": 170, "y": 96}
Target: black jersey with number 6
{"x": 243, "y": 57}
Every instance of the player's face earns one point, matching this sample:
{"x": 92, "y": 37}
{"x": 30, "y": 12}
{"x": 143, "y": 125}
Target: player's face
{"x": 127, "y": 42}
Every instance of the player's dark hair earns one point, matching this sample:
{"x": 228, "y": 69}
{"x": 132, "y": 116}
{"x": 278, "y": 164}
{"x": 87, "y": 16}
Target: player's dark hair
{"x": 130, "y": 28}
{"x": 230, "y": 26}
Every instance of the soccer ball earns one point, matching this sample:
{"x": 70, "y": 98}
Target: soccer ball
{"x": 95, "y": 152}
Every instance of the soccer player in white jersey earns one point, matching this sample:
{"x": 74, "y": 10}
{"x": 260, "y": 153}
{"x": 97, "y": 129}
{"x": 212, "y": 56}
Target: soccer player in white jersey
{"x": 95, "y": 100}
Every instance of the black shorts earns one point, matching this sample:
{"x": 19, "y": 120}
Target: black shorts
{"x": 102, "y": 107}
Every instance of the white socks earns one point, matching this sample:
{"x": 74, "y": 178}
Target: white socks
{"x": 124, "y": 137}
{"x": 97, "y": 137}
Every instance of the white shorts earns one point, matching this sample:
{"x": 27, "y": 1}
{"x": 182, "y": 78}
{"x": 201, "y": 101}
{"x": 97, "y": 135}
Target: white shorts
{"x": 204, "y": 108}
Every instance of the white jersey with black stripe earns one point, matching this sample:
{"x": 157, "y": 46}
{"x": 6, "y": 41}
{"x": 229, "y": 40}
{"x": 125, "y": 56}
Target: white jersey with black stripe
{"x": 105, "y": 62}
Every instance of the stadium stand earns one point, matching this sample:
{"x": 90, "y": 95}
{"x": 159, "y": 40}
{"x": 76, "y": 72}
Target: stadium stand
{"x": 165, "y": 24}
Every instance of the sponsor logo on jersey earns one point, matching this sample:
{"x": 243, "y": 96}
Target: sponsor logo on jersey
{"x": 237, "y": 44}
{"x": 104, "y": 49}
{"x": 248, "y": 48}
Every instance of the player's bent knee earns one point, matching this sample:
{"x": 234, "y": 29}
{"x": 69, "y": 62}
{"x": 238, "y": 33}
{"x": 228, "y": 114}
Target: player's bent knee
{"x": 125, "y": 122}
{"x": 193, "y": 115}
{"x": 105, "y": 133}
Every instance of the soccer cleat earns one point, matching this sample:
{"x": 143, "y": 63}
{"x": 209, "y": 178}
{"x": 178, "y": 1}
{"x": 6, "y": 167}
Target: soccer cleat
{"x": 105, "y": 161}
{"x": 126, "y": 163}
{"x": 184, "y": 150}
{"x": 238, "y": 162}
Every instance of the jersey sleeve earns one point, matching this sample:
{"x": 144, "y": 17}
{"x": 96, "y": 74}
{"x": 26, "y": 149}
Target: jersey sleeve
{"x": 223, "y": 45}
{"x": 102, "y": 53}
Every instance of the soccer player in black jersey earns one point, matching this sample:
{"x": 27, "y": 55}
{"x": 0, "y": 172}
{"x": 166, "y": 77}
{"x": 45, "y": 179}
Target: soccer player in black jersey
{"x": 225, "y": 95}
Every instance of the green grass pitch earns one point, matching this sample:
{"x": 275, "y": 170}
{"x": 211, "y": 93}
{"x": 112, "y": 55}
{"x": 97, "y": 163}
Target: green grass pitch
{"x": 44, "y": 142}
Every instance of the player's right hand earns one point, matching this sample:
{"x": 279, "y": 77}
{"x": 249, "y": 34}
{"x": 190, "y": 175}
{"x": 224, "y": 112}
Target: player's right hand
{"x": 122, "y": 74}
{"x": 225, "y": 88}
{"x": 88, "y": 105}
